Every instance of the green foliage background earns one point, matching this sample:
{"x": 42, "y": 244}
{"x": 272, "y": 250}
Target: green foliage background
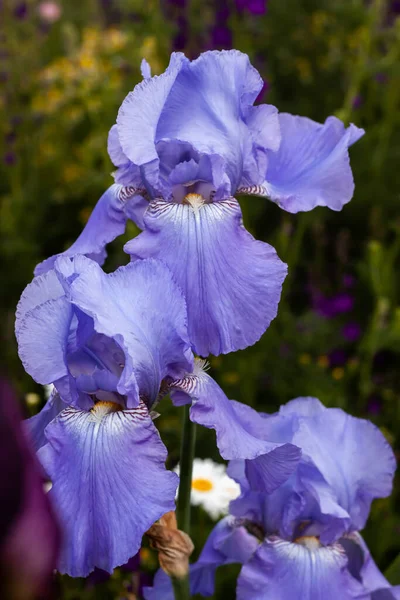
{"x": 60, "y": 89}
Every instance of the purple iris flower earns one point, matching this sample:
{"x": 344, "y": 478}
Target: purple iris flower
{"x": 106, "y": 342}
{"x": 112, "y": 345}
{"x": 184, "y": 144}
{"x": 240, "y": 430}
{"x": 302, "y": 540}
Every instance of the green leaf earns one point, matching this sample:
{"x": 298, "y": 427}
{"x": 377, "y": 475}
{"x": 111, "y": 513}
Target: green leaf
{"x": 392, "y": 573}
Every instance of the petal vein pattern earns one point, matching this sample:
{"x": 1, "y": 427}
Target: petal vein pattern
{"x": 237, "y": 428}
{"x": 109, "y": 484}
{"x": 280, "y": 570}
{"x": 232, "y": 282}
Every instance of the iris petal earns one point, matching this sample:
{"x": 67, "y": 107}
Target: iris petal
{"x": 141, "y": 110}
{"x": 312, "y": 166}
{"x": 107, "y": 221}
{"x": 232, "y": 283}
{"x": 235, "y": 437}
{"x": 219, "y": 88}
{"x": 38, "y": 423}
{"x": 148, "y": 320}
{"x": 281, "y": 570}
{"x": 362, "y": 566}
{"x": 351, "y": 454}
{"x": 42, "y": 324}
{"x": 109, "y": 484}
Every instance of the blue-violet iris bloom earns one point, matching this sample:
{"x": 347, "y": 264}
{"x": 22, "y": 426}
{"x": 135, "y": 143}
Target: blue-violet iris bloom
{"x": 301, "y": 542}
{"x": 113, "y": 345}
{"x": 106, "y": 342}
{"x": 189, "y": 141}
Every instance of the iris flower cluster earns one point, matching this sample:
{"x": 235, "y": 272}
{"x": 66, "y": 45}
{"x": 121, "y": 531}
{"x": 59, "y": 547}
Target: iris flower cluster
{"x": 185, "y": 145}
{"x": 302, "y": 541}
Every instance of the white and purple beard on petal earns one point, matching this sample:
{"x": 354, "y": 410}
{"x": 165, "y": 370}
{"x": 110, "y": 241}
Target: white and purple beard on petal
{"x": 106, "y": 342}
{"x": 232, "y": 283}
{"x": 110, "y": 484}
{"x": 241, "y": 432}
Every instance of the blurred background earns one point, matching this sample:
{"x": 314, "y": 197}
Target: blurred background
{"x": 65, "y": 68}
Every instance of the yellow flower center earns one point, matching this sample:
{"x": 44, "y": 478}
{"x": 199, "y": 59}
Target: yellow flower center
{"x": 202, "y": 485}
{"x": 308, "y": 541}
{"x": 102, "y": 409}
{"x": 196, "y": 201}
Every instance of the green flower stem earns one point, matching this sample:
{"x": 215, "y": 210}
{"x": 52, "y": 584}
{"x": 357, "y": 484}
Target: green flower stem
{"x": 181, "y": 586}
{"x": 185, "y": 471}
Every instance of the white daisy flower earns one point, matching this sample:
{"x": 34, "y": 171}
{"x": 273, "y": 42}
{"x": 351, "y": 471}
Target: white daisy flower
{"x": 212, "y": 488}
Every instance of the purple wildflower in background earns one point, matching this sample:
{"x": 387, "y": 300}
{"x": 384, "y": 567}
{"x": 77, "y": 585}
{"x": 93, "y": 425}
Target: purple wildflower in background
{"x": 221, "y": 36}
{"x": 184, "y": 144}
{"x": 10, "y": 158}
{"x": 176, "y": 12}
{"x": 21, "y": 11}
{"x": 330, "y": 307}
{"x": 351, "y": 331}
{"x": 395, "y": 7}
{"x": 181, "y": 38}
{"x": 348, "y": 280}
{"x": 264, "y": 92}
{"x": 256, "y": 7}
{"x": 357, "y": 101}
{"x": 302, "y": 540}
{"x": 337, "y": 358}
{"x": 374, "y": 404}
{"x": 380, "y": 77}
{"x": 113, "y": 345}
{"x": 221, "y": 33}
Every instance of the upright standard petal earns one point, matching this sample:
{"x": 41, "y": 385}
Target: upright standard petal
{"x": 206, "y": 103}
{"x": 281, "y": 570}
{"x": 107, "y": 221}
{"x": 351, "y": 454}
{"x": 276, "y": 460}
{"x": 43, "y": 320}
{"x": 110, "y": 484}
{"x": 312, "y": 166}
{"x": 148, "y": 320}
{"x": 232, "y": 283}
{"x": 141, "y": 110}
